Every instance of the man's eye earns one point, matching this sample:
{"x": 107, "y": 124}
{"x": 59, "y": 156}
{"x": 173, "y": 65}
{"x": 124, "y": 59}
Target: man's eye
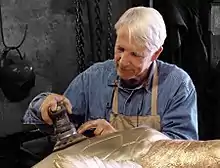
{"x": 121, "y": 49}
{"x": 135, "y": 54}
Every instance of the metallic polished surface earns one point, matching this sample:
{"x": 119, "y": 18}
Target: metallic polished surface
{"x": 126, "y": 145}
{"x": 183, "y": 154}
{"x": 144, "y": 146}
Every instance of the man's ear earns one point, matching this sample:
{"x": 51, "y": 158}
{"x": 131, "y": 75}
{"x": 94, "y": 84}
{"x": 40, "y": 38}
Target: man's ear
{"x": 157, "y": 54}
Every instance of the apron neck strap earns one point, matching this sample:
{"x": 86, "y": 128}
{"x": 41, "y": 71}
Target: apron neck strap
{"x": 154, "y": 91}
{"x": 115, "y": 99}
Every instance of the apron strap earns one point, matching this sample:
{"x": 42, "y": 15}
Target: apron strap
{"x": 115, "y": 100}
{"x": 154, "y": 91}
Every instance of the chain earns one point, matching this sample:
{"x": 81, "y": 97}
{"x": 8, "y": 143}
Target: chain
{"x": 110, "y": 28}
{"x": 98, "y": 30}
{"x": 79, "y": 36}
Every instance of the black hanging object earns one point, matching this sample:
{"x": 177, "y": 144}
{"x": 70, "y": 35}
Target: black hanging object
{"x": 110, "y": 29}
{"x": 16, "y": 77}
{"x": 98, "y": 30}
{"x": 79, "y": 36}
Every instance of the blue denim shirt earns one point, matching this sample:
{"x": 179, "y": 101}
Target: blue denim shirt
{"x": 91, "y": 94}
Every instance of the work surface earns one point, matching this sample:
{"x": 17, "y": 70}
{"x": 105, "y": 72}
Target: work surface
{"x": 129, "y": 145}
{"x": 145, "y": 146}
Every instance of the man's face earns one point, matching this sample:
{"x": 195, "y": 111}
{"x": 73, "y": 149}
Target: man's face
{"x": 132, "y": 60}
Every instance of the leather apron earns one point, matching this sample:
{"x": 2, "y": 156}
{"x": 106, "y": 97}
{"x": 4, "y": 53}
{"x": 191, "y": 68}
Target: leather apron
{"x": 123, "y": 122}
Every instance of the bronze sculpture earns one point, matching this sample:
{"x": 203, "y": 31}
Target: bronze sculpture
{"x": 139, "y": 147}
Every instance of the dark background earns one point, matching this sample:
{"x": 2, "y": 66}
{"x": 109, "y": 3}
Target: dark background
{"x": 51, "y": 46}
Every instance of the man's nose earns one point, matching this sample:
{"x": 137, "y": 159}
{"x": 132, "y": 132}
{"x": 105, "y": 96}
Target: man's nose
{"x": 124, "y": 58}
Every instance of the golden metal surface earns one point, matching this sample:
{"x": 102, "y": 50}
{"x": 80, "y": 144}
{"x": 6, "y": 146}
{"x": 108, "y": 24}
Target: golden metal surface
{"x": 143, "y": 145}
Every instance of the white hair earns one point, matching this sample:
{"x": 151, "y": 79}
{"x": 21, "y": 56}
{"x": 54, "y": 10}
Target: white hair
{"x": 146, "y": 25}
{"x": 91, "y": 162}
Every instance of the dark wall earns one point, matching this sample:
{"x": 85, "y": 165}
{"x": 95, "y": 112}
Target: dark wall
{"x": 50, "y": 46}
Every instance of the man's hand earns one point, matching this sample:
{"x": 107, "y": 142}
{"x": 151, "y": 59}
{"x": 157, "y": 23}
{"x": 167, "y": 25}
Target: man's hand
{"x": 50, "y": 103}
{"x": 101, "y": 126}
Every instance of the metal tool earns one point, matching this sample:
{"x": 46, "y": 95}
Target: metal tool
{"x": 64, "y": 130}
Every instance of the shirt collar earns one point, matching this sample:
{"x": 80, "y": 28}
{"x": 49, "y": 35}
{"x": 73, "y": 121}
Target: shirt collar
{"x": 113, "y": 77}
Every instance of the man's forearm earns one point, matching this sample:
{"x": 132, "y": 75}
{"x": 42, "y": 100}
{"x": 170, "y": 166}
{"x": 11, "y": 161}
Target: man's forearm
{"x": 32, "y": 114}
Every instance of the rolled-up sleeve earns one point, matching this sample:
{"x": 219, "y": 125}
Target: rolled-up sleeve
{"x": 180, "y": 118}
{"x": 32, "y": 114}
{"x": 75, "y": 93}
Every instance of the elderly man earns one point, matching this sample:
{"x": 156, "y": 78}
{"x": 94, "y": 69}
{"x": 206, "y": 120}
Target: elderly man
{"x": 133, "y": 90}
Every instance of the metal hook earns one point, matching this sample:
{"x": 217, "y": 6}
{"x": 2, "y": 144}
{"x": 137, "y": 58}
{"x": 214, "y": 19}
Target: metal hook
{"x": 8, "y": 48}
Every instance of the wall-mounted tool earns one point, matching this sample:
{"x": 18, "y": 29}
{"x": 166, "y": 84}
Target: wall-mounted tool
{"x": 16, "y": 77}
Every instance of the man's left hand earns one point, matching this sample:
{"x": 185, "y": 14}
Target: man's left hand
{"x": 101, "y": 126}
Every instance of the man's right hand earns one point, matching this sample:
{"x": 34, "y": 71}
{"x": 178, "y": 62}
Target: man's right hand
{"x": 50, "y": 103}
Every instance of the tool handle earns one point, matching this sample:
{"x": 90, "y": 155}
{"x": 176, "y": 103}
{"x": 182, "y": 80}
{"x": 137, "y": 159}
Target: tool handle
{"x": 61, "y": 122}
{"x": 60, "y": 112}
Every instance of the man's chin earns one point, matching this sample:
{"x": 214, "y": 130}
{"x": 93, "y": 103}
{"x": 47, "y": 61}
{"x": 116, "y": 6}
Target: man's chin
{"x": 124, "y": 76}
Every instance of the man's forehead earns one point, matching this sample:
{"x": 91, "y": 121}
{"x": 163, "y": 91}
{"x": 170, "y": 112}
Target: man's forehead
{"x": 129, "y": 43}
{"x": 124, "y": 34}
